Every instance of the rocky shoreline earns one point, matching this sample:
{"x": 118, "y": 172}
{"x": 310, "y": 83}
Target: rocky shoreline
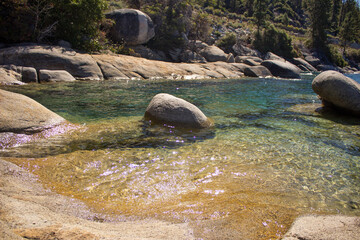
{"x": 29, "y": 211}
{"x": 44, "y": 63}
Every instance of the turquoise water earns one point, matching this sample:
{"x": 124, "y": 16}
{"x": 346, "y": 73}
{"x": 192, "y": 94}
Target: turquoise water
{"x": 269, "y": 158}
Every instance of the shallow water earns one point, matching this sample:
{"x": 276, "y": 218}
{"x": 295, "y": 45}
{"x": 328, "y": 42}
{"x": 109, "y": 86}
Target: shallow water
{"x": 269, "y": 158}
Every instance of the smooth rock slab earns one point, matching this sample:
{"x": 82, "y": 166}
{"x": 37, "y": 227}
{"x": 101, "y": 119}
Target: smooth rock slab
{"x": 55, "y": 76}
{"x": 165, "y": 108}
{"x": 21, "y": 114}
{"x": 339, "y": 90}
{"x": 282, "y": 69}
{"x": 324, "y": 228}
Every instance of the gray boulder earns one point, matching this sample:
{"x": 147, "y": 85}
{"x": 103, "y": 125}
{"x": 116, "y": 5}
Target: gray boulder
{"x": 165, "y": 108}
{"x": 230, "y": 58}
{"x": 251, "y": 62}
{"x": 21, "y": 114}
{"x": 314, "y": 61}
{"x": 257, "y": 71}
{"x": 273, "y": 56}
{"x": 304, "y": 65}
{"x": 132, "y": 26}
{"x": 189, "y": 56}
{"x": 81, "y": 66}
{"x": 282, "y": 69}
{"x": 55, "y": 76}
{"x": 243, "y": 59}
{"x": 338, "y": 90}
{"x": 28, "y": 74}
{"x": 242, "y": 50}
{"x": 213, "y": 54}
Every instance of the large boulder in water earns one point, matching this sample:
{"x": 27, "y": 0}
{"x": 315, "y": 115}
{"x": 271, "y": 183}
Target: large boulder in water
{"x": 21, "y": 114}
{"x": 132, "y": 26}
{"x": 338, "y": 90}
{"x": 283, "y": 69}
{"x": 165, "y": 108}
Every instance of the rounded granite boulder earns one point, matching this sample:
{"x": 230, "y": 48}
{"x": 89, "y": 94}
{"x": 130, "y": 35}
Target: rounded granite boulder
{"x": 165, "y": 108}
{"x": 338, "y": 90}
{"x": 132, "y": 26}
{"x": 21, "y": 114}
{"x": 283, "y": 69}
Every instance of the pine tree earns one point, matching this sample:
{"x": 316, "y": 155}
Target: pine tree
{"x": 319, "y": 12}
{"x": 260, "y": 10}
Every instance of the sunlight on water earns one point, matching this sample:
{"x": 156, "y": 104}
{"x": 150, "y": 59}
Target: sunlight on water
{"x": 269, "y": 158}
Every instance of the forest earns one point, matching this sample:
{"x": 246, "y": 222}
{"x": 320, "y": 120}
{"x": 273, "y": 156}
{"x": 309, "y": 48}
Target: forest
{"x": 279, "y": 26}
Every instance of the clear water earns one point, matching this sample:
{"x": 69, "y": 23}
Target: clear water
{"x": 269, "y": 158}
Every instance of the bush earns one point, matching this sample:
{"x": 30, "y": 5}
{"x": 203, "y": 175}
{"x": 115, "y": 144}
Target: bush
{"x": 336, "y": 57}
{"x": 274, "y": 40}
{"x": 227, "y": 41}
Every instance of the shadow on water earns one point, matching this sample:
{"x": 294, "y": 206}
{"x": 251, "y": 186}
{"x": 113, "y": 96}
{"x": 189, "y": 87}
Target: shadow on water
{"x": 141, "y": 134}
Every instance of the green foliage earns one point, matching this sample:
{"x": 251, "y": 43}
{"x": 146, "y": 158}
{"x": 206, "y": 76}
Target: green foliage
{"x": 76, "y": 21}
{"x": 227, "y": 41}
{"x": 200, "y": 27}
{"x": 319, "y": 11}
{"x": 353, "y": 55}
{"x": 336, "y": 57}
{"x": 274, "y": 40}
{"x": 260, "y": 12}
{"x": 350, "y": 27}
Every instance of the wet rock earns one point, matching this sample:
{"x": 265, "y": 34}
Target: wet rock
{"x": 338, "y": 90}
{"x": 132, "y": 26}
{"x": 21, "y": 114}
{"x": 314, "y": 227}
{"x": 282, "y": 69}
{"x": 55, "y": 76}
{"x": 213, "y": 54}
{"x": 165, "y": 108}
{"x": 257, "y": 71}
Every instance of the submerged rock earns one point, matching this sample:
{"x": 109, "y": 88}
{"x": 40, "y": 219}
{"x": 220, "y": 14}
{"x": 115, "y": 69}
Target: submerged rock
{"x": 338, "y": 90}
{"x": 165, "y": 108}
{"x": 282, "y": 69}
{"x": 21, "y": 114}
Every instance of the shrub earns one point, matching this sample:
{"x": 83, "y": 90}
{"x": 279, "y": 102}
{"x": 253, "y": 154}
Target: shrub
{"x": 336, "y": 57}
{"x": 227, "y": 41}
{"x": 274, "y": 40}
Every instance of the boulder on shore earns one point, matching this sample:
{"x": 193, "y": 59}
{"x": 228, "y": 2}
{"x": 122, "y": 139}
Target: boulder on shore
{"x": 132, "y": 26}
{"x": 213, "y": 54}
{"x": 81, "y": 66}
{"x": 335, "y": 89}
{"x": 302, "y": 63}
{"x": 9, "y": 77}
{"x": 21, "y": 114}
{"x": 165, "y": 108}
{"x": 55, "y": 76}
{"x": 257, "y": 71}
{"x": 282, "y": 69}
